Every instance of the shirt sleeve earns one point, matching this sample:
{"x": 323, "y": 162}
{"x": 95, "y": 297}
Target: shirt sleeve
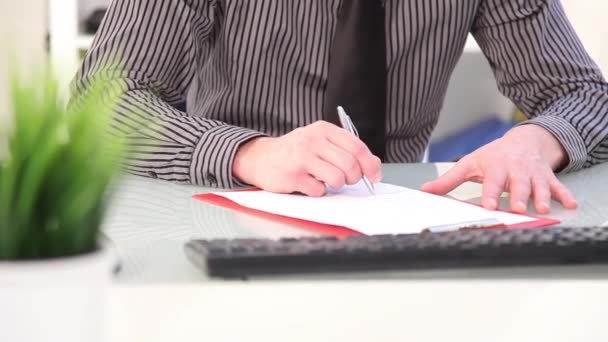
{"x": 146, "y": 52}
{"x": 541, "y": 65}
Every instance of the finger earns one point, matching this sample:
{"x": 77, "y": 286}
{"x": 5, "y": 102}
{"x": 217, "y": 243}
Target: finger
{"x": 493, "y": 186}
{"x": 326, "y": 172}
{"x": 562, "y": 194}
{"x": 520, "y": 190}
{"x": 342, "y": 160}
{"x": 309, "y": 186}
{"x": 542, "y": 195}
{"x": 450, "y": 180}
{"x": 370, "y": 164}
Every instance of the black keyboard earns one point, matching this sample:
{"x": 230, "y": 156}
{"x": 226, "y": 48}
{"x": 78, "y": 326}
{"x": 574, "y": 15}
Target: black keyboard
{"x": 239, "y": 258}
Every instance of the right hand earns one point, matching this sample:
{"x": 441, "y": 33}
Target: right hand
{"x": 306, "y": 159}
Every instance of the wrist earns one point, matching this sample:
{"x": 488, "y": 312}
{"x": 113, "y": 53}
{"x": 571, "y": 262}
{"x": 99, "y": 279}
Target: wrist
{"x": 244, "y": 164}
{"x": 544, "y": 142}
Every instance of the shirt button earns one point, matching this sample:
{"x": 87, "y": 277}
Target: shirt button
{"x": 210, "y": 177}
{"x": 152, "y": 174}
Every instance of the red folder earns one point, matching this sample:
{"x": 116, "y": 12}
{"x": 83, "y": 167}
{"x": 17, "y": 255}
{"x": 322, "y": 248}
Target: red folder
{"x": 328, "y": 229}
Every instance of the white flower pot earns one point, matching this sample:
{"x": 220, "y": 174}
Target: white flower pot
{"x": 59, "y": 300}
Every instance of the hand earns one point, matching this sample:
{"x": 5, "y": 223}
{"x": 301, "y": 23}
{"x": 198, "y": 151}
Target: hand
{"x": 522, "y": 162}
{"x": 306, "y": 159}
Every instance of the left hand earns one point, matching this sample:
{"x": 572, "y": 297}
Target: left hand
{"x": 522, "y": 162}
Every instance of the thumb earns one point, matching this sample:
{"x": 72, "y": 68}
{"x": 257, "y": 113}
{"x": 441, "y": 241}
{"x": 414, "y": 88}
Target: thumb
{"x": 450, "y": 180}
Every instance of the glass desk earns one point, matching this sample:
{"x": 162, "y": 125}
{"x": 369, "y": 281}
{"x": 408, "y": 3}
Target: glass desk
{"x": 150, "y": 220}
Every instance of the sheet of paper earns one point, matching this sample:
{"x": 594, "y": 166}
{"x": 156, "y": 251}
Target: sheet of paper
{"x": 391, "y": 210}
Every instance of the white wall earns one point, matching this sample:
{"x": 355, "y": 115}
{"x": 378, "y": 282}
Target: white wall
{"x": 22, "y": 35}
{"x": 590, "y": 20}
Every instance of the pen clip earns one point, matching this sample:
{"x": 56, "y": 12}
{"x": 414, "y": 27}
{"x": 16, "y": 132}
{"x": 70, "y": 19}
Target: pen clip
{"x": 346, "y": 122}
{"x": 343, "y": 118}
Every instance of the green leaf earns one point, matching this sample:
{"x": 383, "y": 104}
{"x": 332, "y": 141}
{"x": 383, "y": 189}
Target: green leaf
{"x": 55, "y": 182}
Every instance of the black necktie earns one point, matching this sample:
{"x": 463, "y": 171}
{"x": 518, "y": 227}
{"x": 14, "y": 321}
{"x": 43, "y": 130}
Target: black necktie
{"x": 357, "y": 71}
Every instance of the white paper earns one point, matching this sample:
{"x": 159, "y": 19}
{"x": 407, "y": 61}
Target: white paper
{"x": 391, "y": 210}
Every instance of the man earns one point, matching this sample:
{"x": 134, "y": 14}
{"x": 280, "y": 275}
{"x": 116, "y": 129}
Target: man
{"x": 262, "y": 78}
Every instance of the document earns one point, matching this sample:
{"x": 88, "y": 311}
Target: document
{"x": 391, "y": 210}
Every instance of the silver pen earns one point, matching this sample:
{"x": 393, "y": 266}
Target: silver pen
{"x": 347, "y": 124}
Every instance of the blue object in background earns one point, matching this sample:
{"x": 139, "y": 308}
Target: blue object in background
{"x": 455, "y": 146}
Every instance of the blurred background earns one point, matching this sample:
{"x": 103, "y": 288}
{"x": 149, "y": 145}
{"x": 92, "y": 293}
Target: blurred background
{"x": 474, "y": 112}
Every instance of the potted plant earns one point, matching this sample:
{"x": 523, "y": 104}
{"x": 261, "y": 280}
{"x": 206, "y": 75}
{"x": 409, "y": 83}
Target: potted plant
{"x": 54, "y": 186}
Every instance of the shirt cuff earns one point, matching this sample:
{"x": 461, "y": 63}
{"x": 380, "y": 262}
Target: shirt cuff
{"x": 568, "y": 136}
{"x": 213, "y": 156}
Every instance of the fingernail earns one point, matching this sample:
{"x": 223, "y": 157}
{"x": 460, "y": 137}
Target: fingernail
{"x": 544, "y": 206}
{"x": 491, "y": 203}
{"x": 377, "y": 177}
{"x": 520, "y": 206}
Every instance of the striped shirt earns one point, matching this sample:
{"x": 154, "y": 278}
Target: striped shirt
{"x": 247, "y": 68}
